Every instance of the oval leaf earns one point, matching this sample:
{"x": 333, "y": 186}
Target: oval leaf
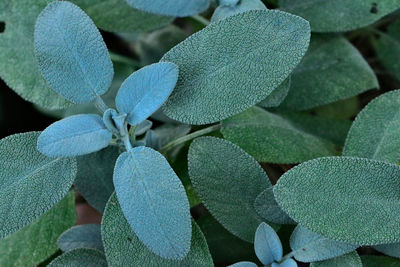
{"x": 176, "y": 8}
{"x": 222, "y": 74}
{"x": 80, "y": 257}
{"x": 81, "y": 236}
{"x": 267, "y": 244}
{"x": 349, "y": 260}
{"x": 286, "y": 263}
{"x": 149, "y": 191}
{"x": 229, "y": 9}
{"x": 71, "y": 53}
{"x": 244, "y": 264}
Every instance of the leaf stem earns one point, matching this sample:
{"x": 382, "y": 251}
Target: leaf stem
{"x": 201, "y": 20}
{"x": 100, "y": 105}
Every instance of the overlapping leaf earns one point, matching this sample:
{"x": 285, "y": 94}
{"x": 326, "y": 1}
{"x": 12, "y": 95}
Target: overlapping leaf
{"x": 277, "y": 96}
{"x": 349, "y": 260}
{"x": 81, "y": 236}
{"x": 267, "y": 244}
{"x": 80, "y": 257}
{"x": 226, "y": 9}
{"x": 176, "y": 8}
{"x": 378, "y": 261}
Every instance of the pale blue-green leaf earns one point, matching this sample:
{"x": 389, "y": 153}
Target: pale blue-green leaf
{"x": 375, "y": 133}
{"x": 74, "y": 136}
{"x": 379, "y": 261}
{"x": 123, "y": 247}
{"x": 154, "y": 202}
{"x": 349, "y": 260}
{"x": 31, "y": 183}
{"x": 308, "y": 246}
{"x": 227, "y": 180}
{"x": 286, "y": 263}
{"x": 109, "y": 121}
{"x": 222, "y": 74}
{"x": 143, "y": 127}
{"x": 267, "y": 245}
{"x": 229, "y": 9}
{"x": 144, "y": 92}
{"x": 176, "y": 8}
{"x": 228, "y": 2}
{"x": 80, "y": 257}
{"x": 81, "y": 236}
{"x": 71, "y": 53}
{"x": 277, "y": 96}
{"x": 244, "y": 264}
{"x": 389, "y": 249}
{"x": 341, "y": 185}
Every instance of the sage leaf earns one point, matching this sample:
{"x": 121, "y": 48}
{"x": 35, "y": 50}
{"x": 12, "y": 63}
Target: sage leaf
{"x": 222, "y": 74}
{"x": 225, "y": 10}
{"x": 176, "y": 8}
{"x": 286, "y": 263}
{"x": 267, "y": 244}
{"x": 81, "y": 236}
{"x": 277, "y": 96}
{"x": 80, "y": 257}
{"x": 392, "y": 250}
{"x": 349, "y": 260}
{"x": 244, "y": 264}
{"x": 378, "y": 261}
{"x": 343, "y": 109}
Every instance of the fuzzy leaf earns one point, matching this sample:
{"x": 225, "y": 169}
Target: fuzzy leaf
{"x": 286, "y": 263}
{"x": 36, "y": 242}
{"x": 219, "y": 170}
{"x": 154, "y": 202}
{"x": 81, "y": 236}
{"x": 277, "y": 96}
{"x": 223, "y": 74}
{"x": 331, "y": 70}
{"x": 392, "y": 250}
{"x": 31, "y": 183}
{"x": 378, "y": 261}
{"x": 74, "y": 136}
{"x": 267, "y": 244}
{"x": 349, "y": 260}
{"x": 324, "y": 15}
{"x": 71, "y": 53}
{"x": 80, "y": 257}
{"x": 244, "y": 264}
{"x": 229, "y": 9}
{"x": 176, "y": 8}
{"x": 146, "y": 90}
{"x": 375, "y": 133}
{"x": 342, "y": 185}
{"x": 118, "y": 236}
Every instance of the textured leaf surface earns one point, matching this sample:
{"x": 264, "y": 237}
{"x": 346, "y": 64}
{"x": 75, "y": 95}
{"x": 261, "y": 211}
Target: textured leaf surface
{"x": 36, "y": 242}
{"x": 378, "y": 261}
{"x": 272, "y": 138}
{"x": 228, "y": 180}
{"x": 323, "y": 15}
{"x": 267, "y": 244}
{"x": 375, "y": 133}
{"x": 222, "y": 74}
{"x": 277, "y": 96}
{"x": 286, "y": 263}
{"x": 18, "y": 66}
{"x": 146, "y": 90}
{"x": 226, "y": 10}
{"x": 30, "y": 182}
{"x": 154, "y": 202}
{"x": 80, "y": 257}
{"x": 308, "y": 246}
{"x": 342, "y": 185}
{"x": 176, "y": 8}
{"x": 74, "y": 136}
{"x": 71, "y": 53}
{"x": 342, "y": 109}
{"x": 349, "y": 260}
{"x": 81, "y": 236}
{"x": 331, "y": 70}
{"x": 244, "y": 264}
{"x": 389, "y": 249}
{"x": 123, "y": 247}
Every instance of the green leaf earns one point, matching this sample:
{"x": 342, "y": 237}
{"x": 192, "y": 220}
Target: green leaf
{"x": 222, "y": 74}
{"x": 392, "y": 250}
{"x": 80, "y": 257}
{"x": 273, "y": 138}
{"x": 339, "y": 15}
{"x": 123, "y": 247}
{"x": 31, "y": 183}
{"x": 18, "y": 66}
{"x": 228, "y": 180}
{"x": 176, "y": 8}
{"x": 332, "y": 70}
{"x": 267, "y": 245}
{"x": 341, "y": 185}
{"x": 342, "y": 109}
{"x": 225, "y": 10}
{"x": 277, "y": 96}
{"x": 118, "y": 16}
{"x": 37, "y": 241}
{"x": 349, "y": 260}
{"x": 375, "y": 133}
{"x": 378, "y": 261}
{"x": 81, "y": 236}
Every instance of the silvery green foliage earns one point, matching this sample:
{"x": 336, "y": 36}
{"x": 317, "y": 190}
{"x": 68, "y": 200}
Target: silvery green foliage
{"x": 214, "y": 60}
{"x": 286, "y": 263}
{"x": 230, "y": 8}
{"x": 82, "y": 236}
{"x": 267, "y": 244}
{"x": 349, "y": 260}
{"x": 277, "y": 96}
{"x": 176, "y": 8}
{"x": 389, "y": 249}
{"x": 80, "y": 257}
{"x": 377, "y": 261}
{"x": 244, "y": 264}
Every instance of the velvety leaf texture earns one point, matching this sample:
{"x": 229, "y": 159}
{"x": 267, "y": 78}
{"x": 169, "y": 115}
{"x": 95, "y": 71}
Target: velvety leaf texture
{"x": 74, "y": 136}
{"x": 389, "y": 249}
{"x": 272, "y": 138}
{"x": 234, "y": 63}
{"x": 267, "y": 244}
{"x": 331, "y": 70}
{"x": 123, "y": 247}
{"x": 154, "y": 202}
{"x": 36, "y": 242}
{"x": 176, "y": 8}
{"x": 146, "y": 90}
{"x": 31, "y": 184}
{"x": 18, "y": 66}
{"x": 349, "y": 260}
{"x": 228, "y": 180}
{"x": 342, "y": 185}
{"x": 243, "y": 264}
{"x": 286, "y": 263}
{"x": 378, "y": 261}
{"x": 81, "y": 236}
{"x": 71, "y": 53}
{"x": 80, "y": 257}
{"x": 324, "y": 15}
{"x": 226, "y": 10}
{"x": 375, "y": 133}
{"x": 277, "y": 96}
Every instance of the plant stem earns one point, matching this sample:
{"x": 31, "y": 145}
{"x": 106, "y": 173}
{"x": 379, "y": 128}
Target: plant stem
{"x": 189, "y": 137}
{"x": 201, "y": 20}
{"x": 99, "y": 103}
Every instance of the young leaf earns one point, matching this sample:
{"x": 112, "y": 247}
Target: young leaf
{"x": 176, "y": 8}
{"x": 146, "y": 90}
{"x": 223, "y": 74}
{"x": 277, "y": 96}
{"x": 244, "y": 264}
{"x": 378, "y": 261}
{"x": 71, "y": 53}
{"x": 80, "y": 257}
{"x": 308, "y": 246}
{"x": 228, "y": 180}
{"x": 118, "y": 237}
{"x": 31, "y": 183}
{"x": 286, "y": 263}
{"x": 36, "y": 242}
{"x": 375, "y": 133}
{"x": 267, "y": 244}
{"x": 392, "y": 250}
{"x": 331, "y": 70}
{"x": 81, "y": 236}
{"x": 226, "y": 10}
{"x": 341, "y": 185}
{"x": 149, "y": 191}
{"x": 74, "y": 136}
{"x": 349, "y": 260}
{"x": 339, "y": 15}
